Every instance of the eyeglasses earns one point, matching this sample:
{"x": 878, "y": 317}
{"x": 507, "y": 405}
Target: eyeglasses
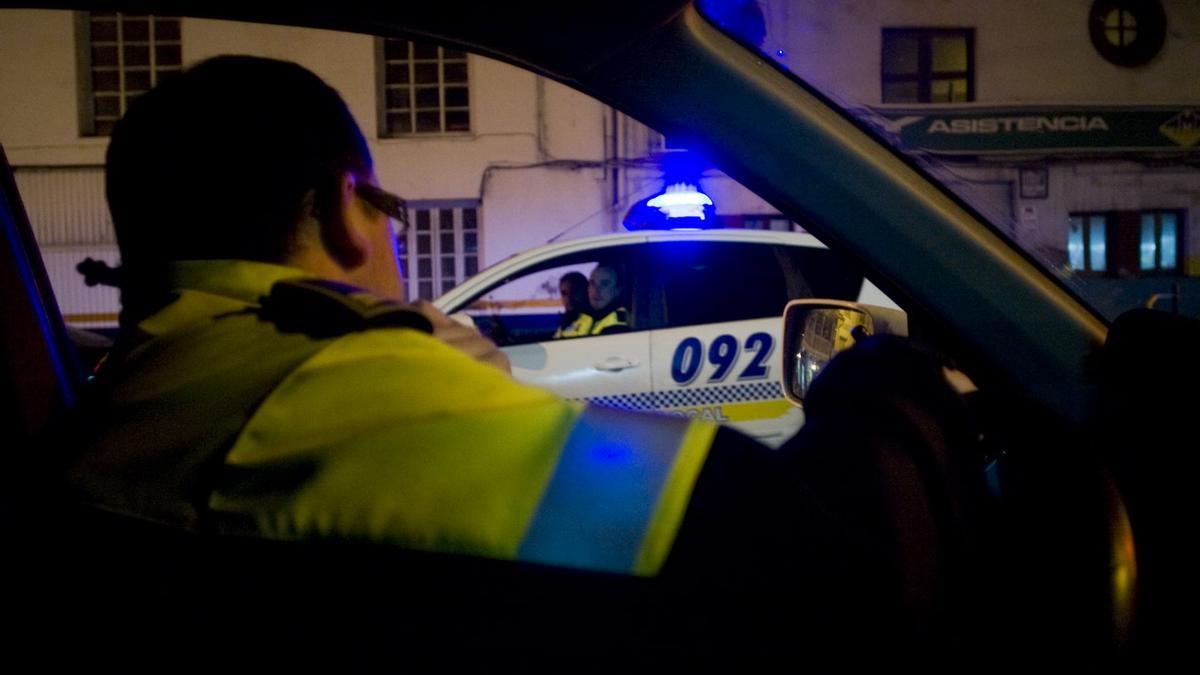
{"x": 389, "y": 204}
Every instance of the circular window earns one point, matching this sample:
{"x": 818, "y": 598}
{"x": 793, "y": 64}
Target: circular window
{"x": 1127, "y": 32}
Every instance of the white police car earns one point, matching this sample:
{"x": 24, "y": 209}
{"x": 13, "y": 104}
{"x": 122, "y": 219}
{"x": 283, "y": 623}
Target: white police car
{"x": 704, "y": 313}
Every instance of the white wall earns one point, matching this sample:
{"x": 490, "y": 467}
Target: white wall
{"x": 574, "y": 124}
{"x": 39, "y": 111}
{"x": 567, "y": 203}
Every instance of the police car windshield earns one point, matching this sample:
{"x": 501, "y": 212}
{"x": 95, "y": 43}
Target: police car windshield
{"x": 1067, "y": 125}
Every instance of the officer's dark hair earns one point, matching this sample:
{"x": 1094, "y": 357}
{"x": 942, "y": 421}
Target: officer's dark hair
{"x": 575, "y": 281}
{"x": 224, "y": 159}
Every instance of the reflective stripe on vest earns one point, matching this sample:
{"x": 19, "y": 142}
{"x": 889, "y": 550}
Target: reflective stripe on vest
{"x": 582, "y": 325}
{"x": 617, "y": 317}
{"x": 617, "y": 495}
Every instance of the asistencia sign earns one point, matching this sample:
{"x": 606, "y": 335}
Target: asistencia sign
{"x": 994, "y": 130}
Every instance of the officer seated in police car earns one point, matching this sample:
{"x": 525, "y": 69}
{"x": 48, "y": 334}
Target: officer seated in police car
{"x": 267, "y": 382}
{"x": 606, "y": 294}
{"x": 576, "y": 320}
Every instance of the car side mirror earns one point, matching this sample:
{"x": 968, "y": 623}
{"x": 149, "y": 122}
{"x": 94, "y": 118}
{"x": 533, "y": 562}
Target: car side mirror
{"x": 814, "y": 331}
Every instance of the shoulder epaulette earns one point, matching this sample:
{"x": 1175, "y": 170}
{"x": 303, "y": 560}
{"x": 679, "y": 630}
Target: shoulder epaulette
{"x": 322, "y": 309}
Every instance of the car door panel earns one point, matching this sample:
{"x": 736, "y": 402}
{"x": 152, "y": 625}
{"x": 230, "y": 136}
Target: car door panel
{"x": 725, "y": 372}
{"x": 600, "y": 367}
{"x": 715, "y": 356}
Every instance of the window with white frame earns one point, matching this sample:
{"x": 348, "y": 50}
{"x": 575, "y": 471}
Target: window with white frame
{"x": 423, "y": 88}
{"x": 441, "y": 246}
{"x": 121, "y": 57}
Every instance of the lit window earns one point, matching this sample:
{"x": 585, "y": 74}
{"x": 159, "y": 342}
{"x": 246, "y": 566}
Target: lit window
{"x": 928, "y": 65}
{"x": 424, "y": 89}
{"x": 1120, "y": 28}
{"x": 125, "y": 55}
{"x": 1087, "y": 242}
{"x": 1168, "y": 241}
{"x": 441, "y": 249}
{"x": 1075, "y": 244}
{"x": 1159, "y": 239}
{"x": 1149, "y": 249}
{"x": 1127, "y": 33}
{"x": 1125, "y": 243}
{"x": 1097, "y": 250}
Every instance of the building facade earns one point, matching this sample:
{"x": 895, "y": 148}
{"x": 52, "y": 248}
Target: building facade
{"x": 1073, "y": 125}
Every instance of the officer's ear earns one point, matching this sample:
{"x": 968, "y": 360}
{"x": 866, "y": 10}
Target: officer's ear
{"x": 344, "y": 226}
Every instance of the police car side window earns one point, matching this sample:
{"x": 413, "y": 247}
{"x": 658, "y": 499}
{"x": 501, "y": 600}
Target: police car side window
{"x": 530, "y": 306}
{"x": 715, "y": 282}
{"x": 819, "y": 273}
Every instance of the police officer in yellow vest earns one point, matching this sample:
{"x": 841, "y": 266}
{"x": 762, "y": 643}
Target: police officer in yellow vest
{"x": 268, "y": 381}
{"x": 605, "y": 311}
{"x": 606, "y": 295}
{"x": 263, "y": 341}
{"x": 576, "y": 320}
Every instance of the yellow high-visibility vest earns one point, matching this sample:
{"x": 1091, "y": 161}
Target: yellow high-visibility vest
{"x": 582, "y": 325}
{"x": 617, "y": 317}
{"x": 219, "y": 419}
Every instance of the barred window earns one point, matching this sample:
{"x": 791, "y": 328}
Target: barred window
{"x": 423, "y": 89}
{"x": 441, "y": 247}
{"x": 123, "y": 55}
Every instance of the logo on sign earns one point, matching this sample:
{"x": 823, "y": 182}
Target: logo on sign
{"x": 1183, "y": 128}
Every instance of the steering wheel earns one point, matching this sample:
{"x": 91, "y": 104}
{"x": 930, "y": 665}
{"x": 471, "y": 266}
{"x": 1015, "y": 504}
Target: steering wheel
{"x": 1022, "y": 547}
{"x": 892, "y": 446}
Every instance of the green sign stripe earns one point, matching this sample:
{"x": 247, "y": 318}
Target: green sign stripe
{"x": 981, "y": 131}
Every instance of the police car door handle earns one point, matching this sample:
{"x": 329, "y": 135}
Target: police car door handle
{"x": 614, "y": 364}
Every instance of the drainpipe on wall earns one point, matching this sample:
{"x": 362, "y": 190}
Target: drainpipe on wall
{"x": 615, "y": 169}
{"x": 542, "y": 154}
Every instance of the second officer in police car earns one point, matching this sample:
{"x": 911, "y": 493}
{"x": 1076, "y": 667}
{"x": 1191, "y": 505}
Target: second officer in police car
{"x": 606, "y": 294}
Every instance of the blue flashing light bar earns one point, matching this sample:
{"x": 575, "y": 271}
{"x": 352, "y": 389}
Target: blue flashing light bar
{"x": 681, "y": 200}
{"x": 681, "y": 206}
